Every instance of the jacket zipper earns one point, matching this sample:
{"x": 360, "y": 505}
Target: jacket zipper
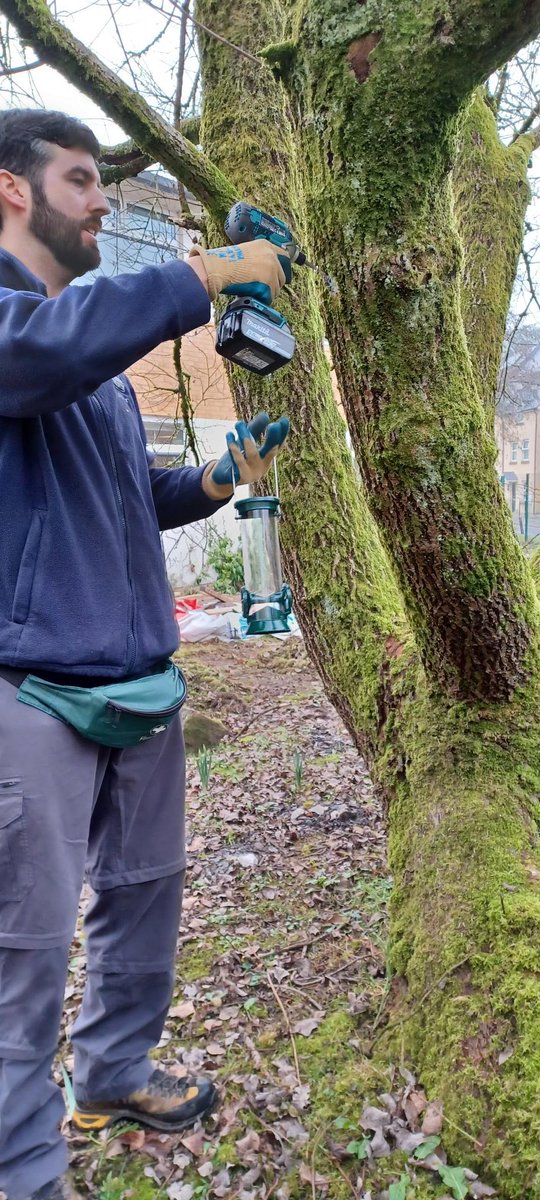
{"x": 121, "y": 510}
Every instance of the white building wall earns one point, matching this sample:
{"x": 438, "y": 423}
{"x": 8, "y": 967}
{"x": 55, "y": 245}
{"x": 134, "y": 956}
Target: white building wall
{"x": 185, "y": 548}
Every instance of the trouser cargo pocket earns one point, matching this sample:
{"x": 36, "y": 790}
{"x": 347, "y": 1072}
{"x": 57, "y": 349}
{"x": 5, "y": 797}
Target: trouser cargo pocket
{"x": 16, "y": 872}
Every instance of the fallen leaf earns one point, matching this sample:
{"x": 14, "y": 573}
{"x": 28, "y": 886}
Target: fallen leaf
{"x": 229, "y": 1012}
{"x": 194, "y": 1142}
{"x": 433, "y": 1118}
{"x": 182, "y": 1010}
{"x": 479, "y": 1190}
{"x": 205, "y": 1169}
{"x": 379, "y": 1145}
{"x": 114, "y": 1148}
{"x": 308, "y": 1025}
{"x": 413, "y": 1105}
{"x": 214, "y": 1049}
{"x": 134, "y": 1138}
{"x": 309, "y": 1175}
{"x": 221, "y": 1183}
{"x": 301, "y": 1096}
{"x": 249, "y": 1144}
{"x": 374, "y": 1118}
{"x": 407, "y": 1141}
{"x": 180, "y": 1191}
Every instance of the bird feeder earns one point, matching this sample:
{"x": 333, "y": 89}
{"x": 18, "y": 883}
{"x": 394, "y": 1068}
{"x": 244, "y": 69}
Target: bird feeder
{"x": 266, "y": 599}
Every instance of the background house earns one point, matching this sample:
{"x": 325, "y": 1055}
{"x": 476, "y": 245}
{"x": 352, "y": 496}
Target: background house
{"x": 518, "y": 429}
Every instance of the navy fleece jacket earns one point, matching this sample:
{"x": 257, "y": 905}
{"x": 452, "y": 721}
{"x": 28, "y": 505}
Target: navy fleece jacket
{"x": 83, "y": 586}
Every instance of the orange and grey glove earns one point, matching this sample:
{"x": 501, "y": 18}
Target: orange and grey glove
{"x": 252, "y": 269}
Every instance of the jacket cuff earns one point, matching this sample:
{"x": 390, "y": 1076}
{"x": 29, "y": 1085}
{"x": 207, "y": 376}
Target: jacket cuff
{"x": 190, "y": 297}
{"x": 212, "y": 506}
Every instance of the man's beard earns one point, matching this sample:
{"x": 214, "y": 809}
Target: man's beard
{"x": 61, "y": 235}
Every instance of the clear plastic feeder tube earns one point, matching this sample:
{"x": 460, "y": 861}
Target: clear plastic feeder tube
{"x": 259, "y": 530}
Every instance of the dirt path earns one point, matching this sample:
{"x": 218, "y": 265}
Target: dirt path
{"x": 281, "y": 951}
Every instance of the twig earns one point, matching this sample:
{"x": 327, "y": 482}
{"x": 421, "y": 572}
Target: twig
{"x": 289, "y": 987}
{"x": 341, "y": 1171}
{"x": 269, "y": 1128}
{"x": 527, "y": 123}
{"x": 217, "y": 36}
{"x": 381, "y": 1007}
{"x": 25, "y": 67}
{"x": 501, "y": 84}
{"x": 474, "y": 1141}
{"x": 306, "y": 941}
{"x": 289, "y": 1027}
{"x": 330, "y": 974}
{"x": 430, "y": 989}
{"x": 189, "y": 222}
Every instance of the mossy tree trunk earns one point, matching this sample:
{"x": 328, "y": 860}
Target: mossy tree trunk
{"x": 383, "y": 160}
{"x": 392, "y": 140}
{"x": 345, "y": 593}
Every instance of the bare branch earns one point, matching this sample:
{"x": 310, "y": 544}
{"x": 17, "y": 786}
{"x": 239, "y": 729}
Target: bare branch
{"x": 24, "y": 67}
{"x": 527, "y": 123}
{"x": 117, "y": 173}
{"x": 58, "y": 47}
{"x": 499, "y": 90}
{"x": 217, "y": 36}
{"x": 189, "y": 222}
{"x": 121, "y": 154}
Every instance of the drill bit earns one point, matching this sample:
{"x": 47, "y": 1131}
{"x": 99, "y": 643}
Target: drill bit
{"x": 327, "y": 279}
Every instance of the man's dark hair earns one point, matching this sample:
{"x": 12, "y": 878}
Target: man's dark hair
{"x": 26, "y": 136}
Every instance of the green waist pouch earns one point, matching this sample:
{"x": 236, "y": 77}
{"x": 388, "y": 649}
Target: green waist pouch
{"x": 117, "y": 714}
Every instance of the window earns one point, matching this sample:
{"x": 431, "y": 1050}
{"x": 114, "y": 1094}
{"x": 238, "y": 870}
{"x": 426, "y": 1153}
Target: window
{"x": 166, "y": 440}
{"x": 513, "y": 487}
{"x": 133, "y": 237}
{"x": 514, "y": 454}
{"x": 525, "y": 450}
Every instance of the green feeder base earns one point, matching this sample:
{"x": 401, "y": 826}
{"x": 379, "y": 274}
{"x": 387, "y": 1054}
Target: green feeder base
{"x": 272, "y": 618}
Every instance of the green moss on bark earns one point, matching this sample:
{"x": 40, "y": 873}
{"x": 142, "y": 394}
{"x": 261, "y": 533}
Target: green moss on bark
{"x": 381, "y": 216}
{"x": 345, "y": 593}
{"x": 465, "y": 856}
{"x": 491, "y": 193}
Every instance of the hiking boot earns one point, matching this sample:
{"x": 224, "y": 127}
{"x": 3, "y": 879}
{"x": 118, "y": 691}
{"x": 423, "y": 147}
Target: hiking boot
{"x": 60, "y": 1188}
{"x": 166, "y": 1103}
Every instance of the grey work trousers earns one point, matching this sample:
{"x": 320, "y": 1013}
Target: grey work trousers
{"x": 68, "y": 805}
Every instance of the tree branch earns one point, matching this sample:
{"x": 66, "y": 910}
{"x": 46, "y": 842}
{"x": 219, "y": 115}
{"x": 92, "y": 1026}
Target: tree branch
{"x": 527, "y": 123}
{"x": 25, "y": 67}
{"x": 117, "y": 173}
{"x": 484, "y": 35}
{"x": 491, "y": 235}
{"x": 58, "y": 48}
{"x": 499, "y": 90}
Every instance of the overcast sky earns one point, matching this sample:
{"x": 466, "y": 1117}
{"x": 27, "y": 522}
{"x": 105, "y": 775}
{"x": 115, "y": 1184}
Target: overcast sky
{"x": 101, "y": 26}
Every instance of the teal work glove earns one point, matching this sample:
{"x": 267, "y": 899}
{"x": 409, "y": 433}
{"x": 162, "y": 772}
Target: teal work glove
{"x": 243, "y": 458}
{"x": 253, "y": 269}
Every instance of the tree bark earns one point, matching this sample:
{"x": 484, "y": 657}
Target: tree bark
{"x": 344, "y": 591}
{"x": 491, "y": 194}
{"x": 381, "y": 218}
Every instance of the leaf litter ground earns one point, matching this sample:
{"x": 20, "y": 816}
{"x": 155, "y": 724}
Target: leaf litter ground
{"x": 281, "y": 972}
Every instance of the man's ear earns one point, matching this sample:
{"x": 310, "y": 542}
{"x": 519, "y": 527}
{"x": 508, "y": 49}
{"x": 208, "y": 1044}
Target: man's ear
{"x": 15, "y": 192}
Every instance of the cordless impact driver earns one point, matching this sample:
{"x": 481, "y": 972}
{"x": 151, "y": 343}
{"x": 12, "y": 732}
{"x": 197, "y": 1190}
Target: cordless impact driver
{"x": 250, "y": 332}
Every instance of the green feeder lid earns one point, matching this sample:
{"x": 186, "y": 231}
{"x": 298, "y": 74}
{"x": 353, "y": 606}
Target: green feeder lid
{"x": 253, "y": 503}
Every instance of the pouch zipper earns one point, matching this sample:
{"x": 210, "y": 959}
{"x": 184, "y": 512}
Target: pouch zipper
{"x": 133, "y": 712}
